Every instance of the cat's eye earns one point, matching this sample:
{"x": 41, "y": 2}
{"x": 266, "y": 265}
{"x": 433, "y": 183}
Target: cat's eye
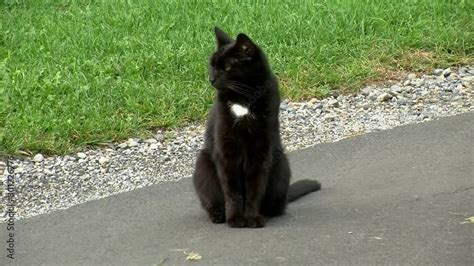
{"x": 230, "y": 63}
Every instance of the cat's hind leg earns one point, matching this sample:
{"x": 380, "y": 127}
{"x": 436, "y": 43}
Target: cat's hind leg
{"x": 208, "y": 187}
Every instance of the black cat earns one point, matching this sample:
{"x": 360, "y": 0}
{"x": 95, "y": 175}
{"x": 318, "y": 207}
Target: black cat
{"x": 242, "y": 172}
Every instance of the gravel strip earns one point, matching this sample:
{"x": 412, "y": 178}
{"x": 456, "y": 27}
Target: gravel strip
{"x": 45, "y": 184}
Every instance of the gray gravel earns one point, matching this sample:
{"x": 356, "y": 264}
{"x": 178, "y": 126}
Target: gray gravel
{"x": 45, "y": 184}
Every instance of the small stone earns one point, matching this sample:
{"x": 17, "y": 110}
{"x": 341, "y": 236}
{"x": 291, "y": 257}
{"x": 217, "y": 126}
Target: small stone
{"x": 283, "y": 106}
{"x": 103, "y": 160}
{"x": 373, "y": 95}
{"x": 384, "y": 97}
{"x": 402, "y": 101}
{"x": 396, "y": 89}
{"x": 453, "y": 76}
{"x": 457, "y": 89}
{"x": 333, "y": 103}
{"x": 69, "y": 158}
{"x": 318, "y": 106}
{"x": 19, "y": 170}
{"x": 449, "y": 88}
{"x": 418, "y": 82}
{"x": 468, "y": 81}
{"x": 152, "y": 140}
{"x": 438, "y": 71}
{"x": 154, "y": 146}
{"x": 313, "y": 101}
{"x": 297, "y": 105}
{"x": 132, "y": 143}
{"x": 81, "y": 155}
{"x": 160, "y": 137}
{"x": 447, "y": 72}
{"x": 412, "y": 76}
{"x": 330, "y": 117}
{"x": 366, "y": 91}
{"x": 426, "y": 115}
{"x": 123, "y": 145}
{"x": 408, "y": 89}
{"x": 49, "y": 171}
{"x": 38, "y": 158}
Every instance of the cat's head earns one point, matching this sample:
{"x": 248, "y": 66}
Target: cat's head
{"x": 235, "y": 62}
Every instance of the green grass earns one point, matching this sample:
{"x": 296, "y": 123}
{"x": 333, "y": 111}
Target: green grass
{"x": 79, "y": 73}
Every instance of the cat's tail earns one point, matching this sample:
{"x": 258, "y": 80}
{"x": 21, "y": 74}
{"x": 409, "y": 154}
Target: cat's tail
{"x": 301, "y": 188}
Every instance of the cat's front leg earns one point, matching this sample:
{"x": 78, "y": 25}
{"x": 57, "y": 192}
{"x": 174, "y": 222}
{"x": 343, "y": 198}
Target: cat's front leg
{"x": 255, "y": 185}
{"x": 231, "y": 182}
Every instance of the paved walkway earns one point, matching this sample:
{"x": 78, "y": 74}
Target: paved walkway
{"x": 397, "y": 196}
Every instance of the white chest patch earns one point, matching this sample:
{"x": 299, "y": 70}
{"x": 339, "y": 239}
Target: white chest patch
{"x": 239, "y": 110}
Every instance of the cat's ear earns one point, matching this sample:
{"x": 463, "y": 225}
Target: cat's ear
{"x": 245, "y": 46}
{"x": 221, "y": 37}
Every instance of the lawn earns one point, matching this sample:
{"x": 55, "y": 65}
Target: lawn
{"x": 81, "y": 73}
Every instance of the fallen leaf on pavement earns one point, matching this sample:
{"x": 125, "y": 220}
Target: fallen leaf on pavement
{"x": 192, "y": 255}
{"x": 468, "y": 220}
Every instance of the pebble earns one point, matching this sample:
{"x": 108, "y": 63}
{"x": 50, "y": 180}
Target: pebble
{"x": 402, "y": 101}
{"x": 438, "y": 71}
{"x": 135, "y": 163}
{"x": 152, "y": 140}
{"x": 153, "y": 146}
{"x": 366, "y": 91}
{"x": 313, "y": 101}
{"x": 38, "y": 158}
{"x": 103, "y": 160}
{"x": 132, "y": 143}
{"x": 283, "y": 106}
{"x": 123, "y": 145}
{"x": 447, "y": 72}
{"x": 396, "y": 88}
{"x": 384, "y": 97}
{"x": 333, "y": 103}
{"x": 330, "y": 117}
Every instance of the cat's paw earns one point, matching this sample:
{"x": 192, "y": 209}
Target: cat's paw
{"x": 236, "y": 222}
{"x": 217, "y": 216}
{"x": 256, "y": 221}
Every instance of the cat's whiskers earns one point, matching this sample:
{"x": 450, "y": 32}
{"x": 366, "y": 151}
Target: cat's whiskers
{"x": 239, "y": 90}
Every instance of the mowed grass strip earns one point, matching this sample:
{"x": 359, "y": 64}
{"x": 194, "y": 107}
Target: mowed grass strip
{"x": 80, "y": 73}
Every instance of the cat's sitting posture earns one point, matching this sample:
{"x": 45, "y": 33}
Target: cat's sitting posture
{"x": 242, "y": 173}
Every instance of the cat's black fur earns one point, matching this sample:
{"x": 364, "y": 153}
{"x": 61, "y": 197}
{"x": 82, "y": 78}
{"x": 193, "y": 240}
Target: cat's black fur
{"x": 242, "y": 173}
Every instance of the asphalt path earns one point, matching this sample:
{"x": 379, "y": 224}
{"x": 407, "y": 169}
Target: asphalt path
{"x": 393, "y": 197}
